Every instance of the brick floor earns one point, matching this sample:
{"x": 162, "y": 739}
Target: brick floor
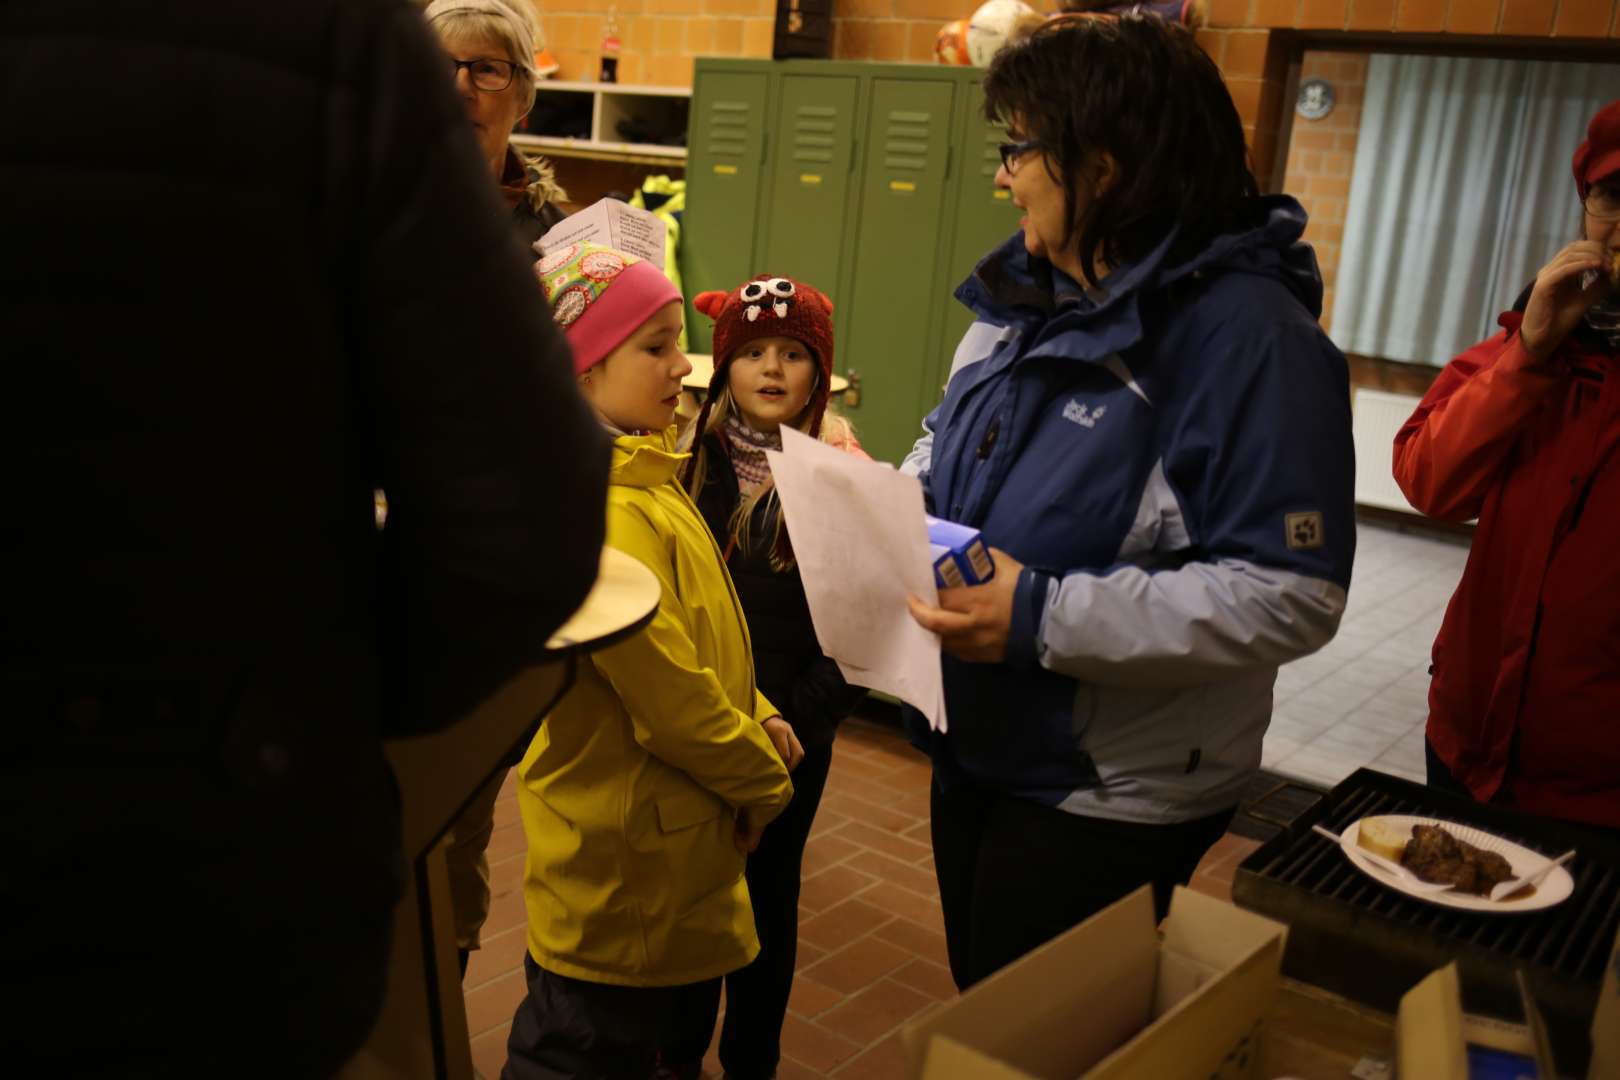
{"x": 872, "y": 942}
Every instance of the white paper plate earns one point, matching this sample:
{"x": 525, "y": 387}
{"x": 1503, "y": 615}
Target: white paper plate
{"x": 1554, "y": 889}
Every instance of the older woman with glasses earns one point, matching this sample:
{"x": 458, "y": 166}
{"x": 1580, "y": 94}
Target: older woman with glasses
{"x": 1522, "y": 431}
{"x": 1148, "y": 425}
{"x": 492, "y": 45}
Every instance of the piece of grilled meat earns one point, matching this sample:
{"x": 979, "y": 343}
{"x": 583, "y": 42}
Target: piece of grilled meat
{"x": 1435, "y": 855}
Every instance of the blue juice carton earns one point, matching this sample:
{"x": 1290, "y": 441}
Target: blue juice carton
{"x": 960, "y": 554}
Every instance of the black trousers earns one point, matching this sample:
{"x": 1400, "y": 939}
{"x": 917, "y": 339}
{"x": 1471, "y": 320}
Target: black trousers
{"x": 757, "y": 995}
{"x": 569, "y": 1028}
{"x": 1014, "y": 874}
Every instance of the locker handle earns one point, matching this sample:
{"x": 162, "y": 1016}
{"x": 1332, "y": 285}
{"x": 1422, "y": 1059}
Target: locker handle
{"x": 854, "y": 153}
{"x": 764, "y": 146}
{"x": 852, "y": 397}
{"x": 950, "y": 160}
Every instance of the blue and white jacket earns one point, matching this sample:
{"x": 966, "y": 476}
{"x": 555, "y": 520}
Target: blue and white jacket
{"x": 1172, "y": 461}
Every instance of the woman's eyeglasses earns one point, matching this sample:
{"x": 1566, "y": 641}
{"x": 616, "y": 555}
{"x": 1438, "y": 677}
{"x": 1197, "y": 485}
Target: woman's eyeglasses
{"x": 1012, "y": 151}
{"x": 491, "y": 76}
{"x": 1603, "y": 201}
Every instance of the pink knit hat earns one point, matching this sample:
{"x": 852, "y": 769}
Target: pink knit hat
{"x": 600, "y": 296}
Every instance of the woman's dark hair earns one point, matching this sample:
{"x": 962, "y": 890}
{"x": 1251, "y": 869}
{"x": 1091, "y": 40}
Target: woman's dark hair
{"x": 1140, "y": 90}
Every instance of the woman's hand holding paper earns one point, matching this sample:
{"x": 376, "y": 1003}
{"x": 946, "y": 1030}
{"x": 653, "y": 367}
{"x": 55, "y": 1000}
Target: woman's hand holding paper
{"x": 973, "y": 621}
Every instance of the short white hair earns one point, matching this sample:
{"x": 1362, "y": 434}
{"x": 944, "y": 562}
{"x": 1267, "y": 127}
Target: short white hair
{"x": 510, "y": 22}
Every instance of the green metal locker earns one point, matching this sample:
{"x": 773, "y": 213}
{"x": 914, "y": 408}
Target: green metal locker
{"x": 983, "y": 217}
{"x": 726, "y": 146}
{"x": 890, "y": 316}
{"x": 803, "y": 230}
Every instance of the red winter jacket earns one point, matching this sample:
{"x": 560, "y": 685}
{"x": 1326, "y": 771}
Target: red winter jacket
{"x": 1525, "y": 700}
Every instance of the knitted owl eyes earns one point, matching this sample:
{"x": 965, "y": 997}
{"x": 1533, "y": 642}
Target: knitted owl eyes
{"x": 755, "y": 291}
{"x": 754, "y": 294}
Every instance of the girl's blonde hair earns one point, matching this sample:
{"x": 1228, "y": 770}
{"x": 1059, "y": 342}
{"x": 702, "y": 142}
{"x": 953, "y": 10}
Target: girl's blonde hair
{"x": 836, "y": 430}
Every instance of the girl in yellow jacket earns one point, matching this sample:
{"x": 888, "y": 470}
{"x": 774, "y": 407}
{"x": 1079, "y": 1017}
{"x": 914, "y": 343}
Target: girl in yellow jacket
{"x": 653, "y": 777}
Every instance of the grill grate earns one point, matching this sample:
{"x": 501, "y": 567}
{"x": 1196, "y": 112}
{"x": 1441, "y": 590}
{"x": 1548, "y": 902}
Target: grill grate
{"x": 1354, "y": 936}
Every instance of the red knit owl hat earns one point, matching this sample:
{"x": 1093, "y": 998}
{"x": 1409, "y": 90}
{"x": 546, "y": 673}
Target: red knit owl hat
{"x": 769, "y": 306}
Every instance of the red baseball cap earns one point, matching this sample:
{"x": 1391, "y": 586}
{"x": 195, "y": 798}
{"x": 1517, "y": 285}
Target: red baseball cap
{"x": 1599, "y": 155}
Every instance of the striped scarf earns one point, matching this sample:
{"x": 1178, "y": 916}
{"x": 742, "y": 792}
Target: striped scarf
{"x": 746, "y": 448}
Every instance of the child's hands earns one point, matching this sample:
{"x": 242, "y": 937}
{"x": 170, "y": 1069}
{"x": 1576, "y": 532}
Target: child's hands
{"x": 746, "y": 837}
{"x": 787, "y": 744}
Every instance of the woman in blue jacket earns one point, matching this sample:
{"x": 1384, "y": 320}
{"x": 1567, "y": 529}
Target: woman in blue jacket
{"x": 1151, "y": 430}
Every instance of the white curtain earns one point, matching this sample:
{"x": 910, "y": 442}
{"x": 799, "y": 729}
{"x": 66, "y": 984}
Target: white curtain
{"x": 1462, "y": 191}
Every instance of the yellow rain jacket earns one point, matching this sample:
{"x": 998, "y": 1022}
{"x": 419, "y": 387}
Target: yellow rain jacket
{"x": 629, "y": 793}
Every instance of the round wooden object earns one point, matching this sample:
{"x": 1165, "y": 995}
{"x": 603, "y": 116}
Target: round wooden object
{"x": 620, "y": 603}
{"x": 703, "y": 371}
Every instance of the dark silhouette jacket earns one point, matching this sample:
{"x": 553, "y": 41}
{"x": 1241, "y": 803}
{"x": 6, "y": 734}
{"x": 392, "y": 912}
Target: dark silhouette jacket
{"x": 252, "y": 269}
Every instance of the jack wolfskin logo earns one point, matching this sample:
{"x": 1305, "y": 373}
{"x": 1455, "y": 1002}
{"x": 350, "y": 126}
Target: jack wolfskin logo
{"x": 1304, "y": 531}
{"x": 1081, "y": 415}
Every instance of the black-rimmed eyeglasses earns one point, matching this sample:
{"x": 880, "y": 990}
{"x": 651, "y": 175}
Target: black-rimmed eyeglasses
{"x": 1012, "y": 151}
{"x": 491, "y": 76}
{"x": 1603, "y": 200}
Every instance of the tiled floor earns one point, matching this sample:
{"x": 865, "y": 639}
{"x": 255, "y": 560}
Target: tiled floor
{"x": 871, "y": 936}
{"x": 872, "y": 945}
{"x": 1363, "y": 699}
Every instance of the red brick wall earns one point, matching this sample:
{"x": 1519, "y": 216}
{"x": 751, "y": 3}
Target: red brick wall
{"x": 1238, "y": 36}
{"x": 661, "y": 38}
{"x": 896, "y": 29}
{"x": 1322, "y": 158}
{"x": 1534, "y": 18}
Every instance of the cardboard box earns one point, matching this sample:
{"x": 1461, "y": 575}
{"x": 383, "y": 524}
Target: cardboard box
{"x": 1606, "y": 1023}
{"x": 1436, "y": 1040}
{"x": 1110, "y": 1000}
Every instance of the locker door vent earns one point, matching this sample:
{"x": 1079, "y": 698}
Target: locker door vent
{"x": 728, "y": 128}
{"x": 905, "y": 142}
{"x": 813, "y": 128}
{"x": 990, "y": 160}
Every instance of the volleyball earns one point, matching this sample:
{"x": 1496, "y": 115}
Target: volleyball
{"x": 995, "y": 24}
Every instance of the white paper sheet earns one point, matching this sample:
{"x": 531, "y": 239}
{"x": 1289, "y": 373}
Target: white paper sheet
{"x": 862, "y": 546}
{"x": 616, "y": 224}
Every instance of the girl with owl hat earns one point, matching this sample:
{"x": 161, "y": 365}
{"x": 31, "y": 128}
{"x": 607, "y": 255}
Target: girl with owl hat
{"x": 773, "y": 350}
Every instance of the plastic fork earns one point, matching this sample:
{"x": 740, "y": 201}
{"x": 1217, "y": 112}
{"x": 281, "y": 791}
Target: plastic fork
{"x": 1409, "y": 879}
{"x": 1513, "y": 885}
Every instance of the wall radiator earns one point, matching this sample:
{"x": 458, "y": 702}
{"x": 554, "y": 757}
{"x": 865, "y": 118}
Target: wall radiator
{"x": 1378, "y": 415}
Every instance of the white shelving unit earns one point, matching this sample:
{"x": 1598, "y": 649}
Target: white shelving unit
{"x": 610, "y": 103}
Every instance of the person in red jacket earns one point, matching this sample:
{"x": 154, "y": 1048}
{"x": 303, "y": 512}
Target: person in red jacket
{"x": 1522, "y": 431}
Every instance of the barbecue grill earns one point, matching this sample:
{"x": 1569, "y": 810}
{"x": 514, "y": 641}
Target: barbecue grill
{"x": 1356, "y": 937}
